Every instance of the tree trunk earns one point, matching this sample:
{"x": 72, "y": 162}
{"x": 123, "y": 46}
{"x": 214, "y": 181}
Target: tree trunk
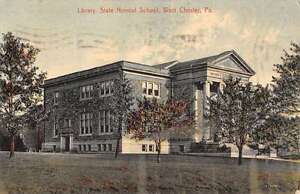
{"x": 12, "y": 146}
{"x": 158, "y": 152}
{"x": 117, "y": 146}
{"x": 38, "y": 142}
{"x": 240, "y": 154}
{"x": 119, "y": 138}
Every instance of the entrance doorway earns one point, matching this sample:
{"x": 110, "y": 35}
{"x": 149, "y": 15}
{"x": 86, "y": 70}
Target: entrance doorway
{"x": 181, "y": 148}
{"x": 67, "y": 143}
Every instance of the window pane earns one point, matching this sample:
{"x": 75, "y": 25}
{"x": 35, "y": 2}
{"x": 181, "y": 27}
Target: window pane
{"x": 150, "y": 88}
{"x": 107, "y": 88}
{"x": 90, "y": 122}
{"x": 156, "y": 89}
{"x": 155, "y": 86}
{"x": 111, "y": 86}
{"x": 111, "y": 120}
{"x": 144, "y": 147}
{"x": 144, "y": 87}
{"x": 56, "y": 94}
{"x": 102, "y": 88}
{"x": 150, "y": 148}
{"x": 106, "y": 121}
{"x": 102, "y": 121}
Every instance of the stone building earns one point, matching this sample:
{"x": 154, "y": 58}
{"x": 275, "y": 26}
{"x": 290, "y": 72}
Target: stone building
{"x": 80, "y": 115}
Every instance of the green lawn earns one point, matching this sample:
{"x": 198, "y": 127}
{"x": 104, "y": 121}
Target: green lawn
{"x": 68, "y": 173}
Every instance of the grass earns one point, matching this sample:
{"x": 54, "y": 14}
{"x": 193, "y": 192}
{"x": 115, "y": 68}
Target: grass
{"x": 294, "y": 156}
{"x": 70, "y": 173}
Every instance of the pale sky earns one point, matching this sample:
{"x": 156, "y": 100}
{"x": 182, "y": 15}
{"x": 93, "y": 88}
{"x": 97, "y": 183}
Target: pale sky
{"x": 70, "y": 41}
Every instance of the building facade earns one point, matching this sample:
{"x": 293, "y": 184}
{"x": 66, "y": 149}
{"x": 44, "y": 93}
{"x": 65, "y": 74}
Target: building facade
{"x": 80, "y": 118}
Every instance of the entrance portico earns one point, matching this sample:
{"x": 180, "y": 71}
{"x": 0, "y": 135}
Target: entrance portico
{"x": 66, "y": 142}
{"x": 206, "y": 78}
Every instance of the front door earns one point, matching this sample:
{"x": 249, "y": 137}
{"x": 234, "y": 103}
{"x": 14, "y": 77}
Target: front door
{"x": 181, "y": 148}
{"x": 67, "y": 143}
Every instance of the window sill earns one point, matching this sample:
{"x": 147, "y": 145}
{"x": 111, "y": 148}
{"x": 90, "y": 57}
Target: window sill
{"x": 83, "y": 99}
{"x": 89, "y": 134}
{"x": 106, "y": 133}
{"x": 150, "y": 96}
{"x": 106, "y": 95}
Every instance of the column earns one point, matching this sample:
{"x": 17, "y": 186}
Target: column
{"x": 197, "y": 110}
{"x": 61, "y": 144}
{"x": 71, "y": 142}
{"x": 221, "y": 86}
{"x": 207, "y": 88}
{"x": 205, "y": 129}
{"x": 206, "y": 93}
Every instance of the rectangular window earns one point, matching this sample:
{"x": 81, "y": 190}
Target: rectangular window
{"x": 90, "y": 147}
{"x": 86, "y": 91}
{"x": 105, "y": 122}
{"x": 55, "y": 127}
{"x": 156, "y": 89}
{"x": 86, "y": 123}
{"x": 104, "y": 147}
{"x": 79, "y": 147}
{"x": 84, "y": 147}
{"x": 144, "y": 148}
{"x": 99, "y": 147}
{"x": 106, "y": 88}
{"x": 56, "y": 96}
{"x": 151, "y": 89}
{"x": 151, "y": 148}
{"x": 110, "y": 147}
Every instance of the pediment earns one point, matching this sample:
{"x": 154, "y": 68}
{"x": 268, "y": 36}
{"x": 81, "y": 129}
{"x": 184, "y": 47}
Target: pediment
{"x": 232, "y": 64}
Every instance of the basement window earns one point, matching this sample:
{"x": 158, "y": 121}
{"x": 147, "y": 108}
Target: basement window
{"x": 144, "y": 147}
{"x": 109, "y": 147}
{"x": 151, "y": 148}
